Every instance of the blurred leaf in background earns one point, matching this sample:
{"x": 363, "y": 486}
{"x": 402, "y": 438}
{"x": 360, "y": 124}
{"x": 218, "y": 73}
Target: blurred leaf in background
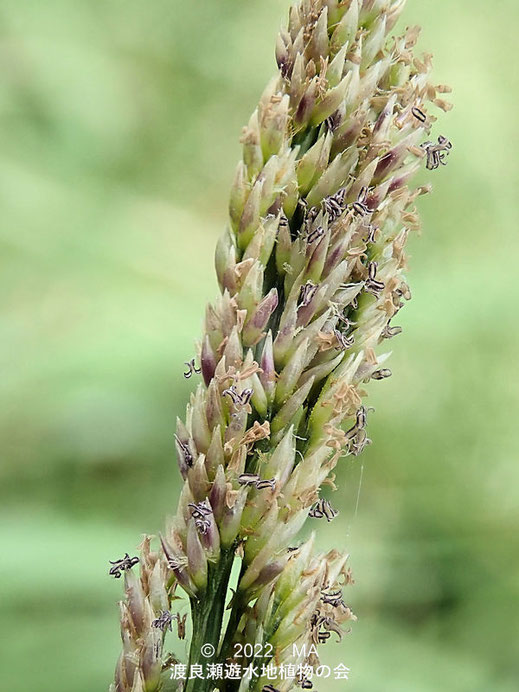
{"x": 119, "y": 134}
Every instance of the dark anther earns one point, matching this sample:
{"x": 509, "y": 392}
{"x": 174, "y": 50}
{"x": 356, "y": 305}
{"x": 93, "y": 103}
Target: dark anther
{"x": 286, "y": 66}
{"x": 307, "y": 292}
{"x": 192, "y": 369}
{"x": 334, "y": 205}
{"x": 163, "y": 622}
{"x": 436, "y": 152}
{"x": 315, "y": 235}
{"x": 372, "y": 232}
{"x": 122, "y": 565}
{"x": 343, "y": 341}
{"x": 255, "y": 480}
{"x": 361, "y": 417}
{"x": 389, "y": 332}
{"x": 360, "y": 205}
{"x": 199, "y": 512}
{"x": 381, "y": 374}
{"x": 174, "y": 563}
{"x": 333, "y": 121}
{"x": 237, "y": 398}
{"x": 311, "y": 215}
{"x": 283, "y": 221}
{"x": 248, "y": 479}
{"x": 270, "y": 483}
{"x": 303, "y": 205}
{"x": 372, "y": 286}
{"x": 323, "y": 509}
{"x": 361, "y": 440}
{"x": 186, "y": 452}
{"x": 419, "y": 114}
{"x": 342, "y": 318}
{"x": 356, "y": 436}
{"x": 334, "y": 599}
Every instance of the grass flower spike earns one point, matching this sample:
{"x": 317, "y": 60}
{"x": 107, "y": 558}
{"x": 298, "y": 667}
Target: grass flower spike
{"x": 312, "y": 274}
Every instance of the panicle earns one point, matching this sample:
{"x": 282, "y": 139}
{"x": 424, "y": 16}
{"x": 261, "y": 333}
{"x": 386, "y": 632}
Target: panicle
{"x": 312, "y": 272}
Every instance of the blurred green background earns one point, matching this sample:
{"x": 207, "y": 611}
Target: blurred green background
{"x": 119, "y": 127}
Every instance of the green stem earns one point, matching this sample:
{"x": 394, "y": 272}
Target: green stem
{"x": 207, "y": 616}
{"x": 236, "y": 612}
